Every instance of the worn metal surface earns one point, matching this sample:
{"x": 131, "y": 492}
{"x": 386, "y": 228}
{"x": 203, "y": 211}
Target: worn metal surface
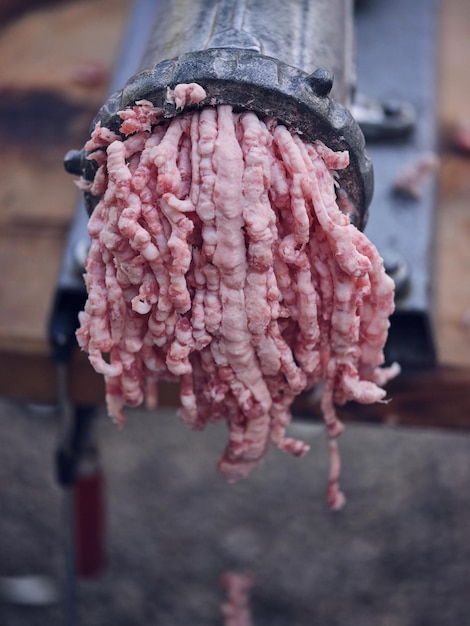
{"x": 305, "y": 35}
{"x": 249, "y": 81}
{"x": 397, "y": 52}
{"x": 243, "y": 74}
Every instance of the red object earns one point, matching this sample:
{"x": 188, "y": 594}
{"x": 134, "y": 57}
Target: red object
{"x": 89, "y": 525}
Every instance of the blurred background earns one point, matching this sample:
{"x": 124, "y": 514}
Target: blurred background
{"x": 399, "y": 552}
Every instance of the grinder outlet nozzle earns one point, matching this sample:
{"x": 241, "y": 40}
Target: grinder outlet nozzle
{"x": 274, "y": 58}
{"x": 248, "y": 81}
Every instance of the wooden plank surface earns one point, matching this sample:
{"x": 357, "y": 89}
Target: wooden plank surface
{"x": 437, "y": 397}
{"x": 453, "y": 217}
{"x": 46, "y": 104}
{"x": 45, "y": 109}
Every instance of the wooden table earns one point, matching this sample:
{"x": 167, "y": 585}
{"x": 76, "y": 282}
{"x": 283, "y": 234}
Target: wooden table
{"x": 47, "y": 100}
{"x": 46, "y": 108}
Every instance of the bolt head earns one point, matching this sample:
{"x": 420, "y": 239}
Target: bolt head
{"x": 321, "y": 81}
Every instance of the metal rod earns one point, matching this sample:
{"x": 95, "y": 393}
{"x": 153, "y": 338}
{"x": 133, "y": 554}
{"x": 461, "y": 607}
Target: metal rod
{"x": 68, "y": 512}
{"x": 304, "y": 34}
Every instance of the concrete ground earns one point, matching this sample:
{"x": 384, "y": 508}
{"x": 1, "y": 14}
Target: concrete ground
{"x": 397, "y": 555}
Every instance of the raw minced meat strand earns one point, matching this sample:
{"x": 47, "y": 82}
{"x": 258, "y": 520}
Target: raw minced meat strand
{"x": 220, "y": 258}
{"x": 236, "y": 609}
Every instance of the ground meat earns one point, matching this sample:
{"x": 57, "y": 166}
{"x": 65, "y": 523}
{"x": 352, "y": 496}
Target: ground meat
{"x": 220, "y": 258}
{"x": 411, "y": 179}
{"x": 236, "y": 610}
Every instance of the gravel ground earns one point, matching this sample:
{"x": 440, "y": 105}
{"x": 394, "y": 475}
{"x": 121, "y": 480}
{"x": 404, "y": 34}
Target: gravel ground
{"x": 397, "y": 555}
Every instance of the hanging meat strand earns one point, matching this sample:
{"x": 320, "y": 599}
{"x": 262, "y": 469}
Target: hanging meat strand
{"x": 220, "y": 258}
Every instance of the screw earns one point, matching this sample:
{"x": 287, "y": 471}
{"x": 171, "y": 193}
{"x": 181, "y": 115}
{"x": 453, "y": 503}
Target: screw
{"x": 73, "y": 162}
{"x": 321, "y": 81}
{"x": 397, "y": 268}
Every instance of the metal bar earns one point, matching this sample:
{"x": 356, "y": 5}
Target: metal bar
{"x": 64, "y": 475}
{"x": 305, "y": 35}
{"x": 399, "y": 63}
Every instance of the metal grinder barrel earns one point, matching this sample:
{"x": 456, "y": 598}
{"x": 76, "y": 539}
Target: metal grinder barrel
{"x": 305, "y": 35}
{"x": 272, "y": 57}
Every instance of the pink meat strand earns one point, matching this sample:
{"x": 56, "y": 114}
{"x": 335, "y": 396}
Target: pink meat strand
{"x": 412, "y": 178}
{"x": 236, "y": 610}
{"x": 220, "y": 258}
